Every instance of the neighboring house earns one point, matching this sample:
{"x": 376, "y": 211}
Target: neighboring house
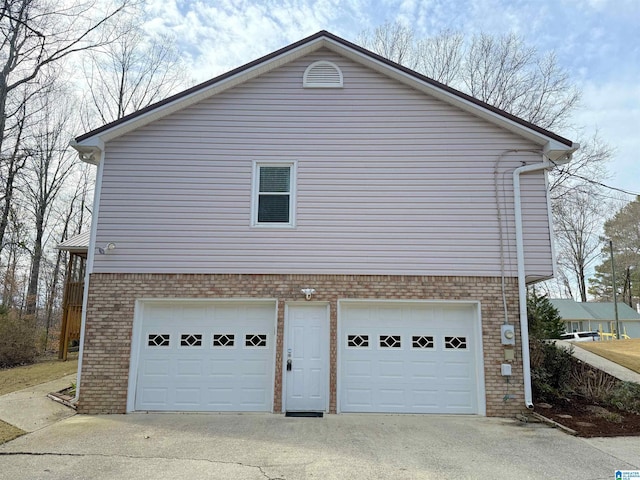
{"x": 592, "y": 316}
{"x": 318, "y": 230}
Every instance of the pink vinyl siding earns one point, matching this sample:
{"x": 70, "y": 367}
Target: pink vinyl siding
{"x": 389, "y": 181}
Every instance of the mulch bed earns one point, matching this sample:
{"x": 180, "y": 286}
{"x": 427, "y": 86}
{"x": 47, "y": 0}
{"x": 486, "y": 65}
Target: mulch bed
{"x": 589, "y": 420}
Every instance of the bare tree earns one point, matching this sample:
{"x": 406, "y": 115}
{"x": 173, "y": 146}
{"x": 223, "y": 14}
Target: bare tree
{"x": 130, "y": 73}
{"x": 585, "y": 172}
{"x": 37, "y": 33}
{"x": 500, "y": 70}
{"x": 34, "y": 36}
{"x": 394, "y": 41}
{"x": 49, "y": 164}
{"x": 13, "y": 287}
{"x": 440, "y": 57}
{"x": 578, "y": 222}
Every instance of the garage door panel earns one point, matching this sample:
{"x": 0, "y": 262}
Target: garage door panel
{"x": 415, "y": 358}
{"x": 390, "y": 369}
{"x": 426, "y": 399}
{"x": 220, "y": 399}
{"x": 357, "y": 369}
{"x": 205, "y": 357}
{"x": 223, "y": 368}
{"x": 359, "y": 397}
{"x": 156, "y": 367}
{"x": 423, "y": 371}
{"x": 155, "y": 396}
{"x": 188, "y": 396}
{"x": 392, "y": 398}
{"x": 189, "y": 368}
{"x": 253, "y": 397}
{"x": 457, "y": 370}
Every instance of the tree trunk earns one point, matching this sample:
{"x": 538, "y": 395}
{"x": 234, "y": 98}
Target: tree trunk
{"x": 36, "y": 260}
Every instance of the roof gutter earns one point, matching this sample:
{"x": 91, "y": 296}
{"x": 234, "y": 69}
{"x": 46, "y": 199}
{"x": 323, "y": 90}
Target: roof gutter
{"x": 546, "y": 164}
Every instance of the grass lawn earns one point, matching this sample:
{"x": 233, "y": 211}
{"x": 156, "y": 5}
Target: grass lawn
{"x": 8, "y": 432}
{"x": 17, "y": 378}
{"x": 623, "y": 352}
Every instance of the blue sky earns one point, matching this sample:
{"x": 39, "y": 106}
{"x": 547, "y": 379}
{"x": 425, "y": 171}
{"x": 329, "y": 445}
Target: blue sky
{"x": 597, "y": 41}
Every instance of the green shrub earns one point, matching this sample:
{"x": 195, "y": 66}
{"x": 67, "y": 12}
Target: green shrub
{"x": 550, "y": 371}
{"x": 18, "y": 337}
{"x": 626, "y": 396}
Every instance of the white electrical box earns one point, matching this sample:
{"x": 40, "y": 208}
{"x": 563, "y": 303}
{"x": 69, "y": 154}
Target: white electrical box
{"x": 508, "y": 335}
{"x": 505, "y": 369}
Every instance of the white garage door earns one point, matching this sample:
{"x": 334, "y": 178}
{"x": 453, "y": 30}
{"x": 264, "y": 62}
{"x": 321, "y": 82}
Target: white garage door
{"x": 205, "y": 357}
{"x": 410, "y": 358}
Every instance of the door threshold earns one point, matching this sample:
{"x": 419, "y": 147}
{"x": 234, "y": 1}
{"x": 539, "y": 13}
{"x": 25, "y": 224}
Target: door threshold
{"x": 304, "y": 414}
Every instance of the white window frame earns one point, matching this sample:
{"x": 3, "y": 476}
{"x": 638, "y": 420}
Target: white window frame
{"x": 255, "y": 194}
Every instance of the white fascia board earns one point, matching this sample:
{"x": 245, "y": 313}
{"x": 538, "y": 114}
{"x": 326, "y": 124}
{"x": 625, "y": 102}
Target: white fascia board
{"x": 553, "y": 147}
{"x": 204, "y": 93}
{"x": 558, "y": 152}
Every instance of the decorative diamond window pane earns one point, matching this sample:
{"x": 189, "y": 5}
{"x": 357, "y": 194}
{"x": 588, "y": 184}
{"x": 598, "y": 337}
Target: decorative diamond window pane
{"x": 255, "y": 340}
{"x": 158, "y": 340}
{"x": 223, "y": 340}
{"x": 191, "y": 340}
{"x": 455, "y": 343}
{"x": 273, "y": 208}
{"x": 274, "y": 179}
{"x": 390, "y": 341}
{"x": 422, "y": 341}
{"x": 357, "y": 340}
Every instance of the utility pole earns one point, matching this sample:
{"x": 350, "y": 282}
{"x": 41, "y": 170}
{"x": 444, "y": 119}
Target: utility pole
{"x": 615, "y": 296}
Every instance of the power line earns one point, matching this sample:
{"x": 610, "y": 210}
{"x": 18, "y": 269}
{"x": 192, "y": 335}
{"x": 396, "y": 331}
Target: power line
{"x": 594, "y": 182}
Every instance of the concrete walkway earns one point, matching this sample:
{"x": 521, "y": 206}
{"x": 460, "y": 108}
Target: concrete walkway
{"x": 31, "y": 410}
{"x": 601, "y": 363}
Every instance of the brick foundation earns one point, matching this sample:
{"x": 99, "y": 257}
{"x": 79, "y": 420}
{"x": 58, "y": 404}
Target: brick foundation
{"x": 107, "y": 348}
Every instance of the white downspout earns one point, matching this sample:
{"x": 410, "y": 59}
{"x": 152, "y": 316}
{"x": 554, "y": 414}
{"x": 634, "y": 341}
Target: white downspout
{"x": 522, "y": 287}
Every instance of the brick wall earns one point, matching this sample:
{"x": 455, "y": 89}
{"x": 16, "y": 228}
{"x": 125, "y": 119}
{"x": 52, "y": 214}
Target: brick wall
{"x": 107, "y": 348}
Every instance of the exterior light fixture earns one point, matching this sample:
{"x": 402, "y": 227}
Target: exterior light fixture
{"x": 308, "y": 292}
{"x": 107, "y": 248}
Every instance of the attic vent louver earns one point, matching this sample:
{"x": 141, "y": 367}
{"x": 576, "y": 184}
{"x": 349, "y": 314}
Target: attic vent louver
{"x": 322, "y": 74}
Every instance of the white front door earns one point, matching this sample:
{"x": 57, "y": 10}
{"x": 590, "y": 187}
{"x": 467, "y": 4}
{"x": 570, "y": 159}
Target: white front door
{"x": 306, "y": 357}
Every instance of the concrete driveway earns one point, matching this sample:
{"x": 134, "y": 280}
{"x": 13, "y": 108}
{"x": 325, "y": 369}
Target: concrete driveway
{"x": 266, "y": 446}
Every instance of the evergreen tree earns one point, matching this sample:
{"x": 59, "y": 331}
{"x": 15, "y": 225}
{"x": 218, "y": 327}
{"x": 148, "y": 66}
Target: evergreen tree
{"x": 623, "y": 229}
{"x": 544, "y": 319}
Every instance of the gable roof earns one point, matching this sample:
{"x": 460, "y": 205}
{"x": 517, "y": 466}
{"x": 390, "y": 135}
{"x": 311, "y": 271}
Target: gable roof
{"x": 569, "y": 309}
{"x": 605, "y": 311}
{"x": 554, "y": 145}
